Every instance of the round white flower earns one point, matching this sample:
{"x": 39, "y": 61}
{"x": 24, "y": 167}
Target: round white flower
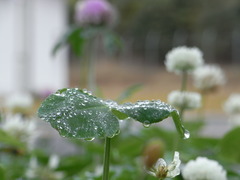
{"x": 22, "y": 129}
{"x": 36, "y": 171}
{"x": 203, "y": 168}
{"x": 19, "y": 100}
{"x": 162, "y": 170}
{"x": 183, "y": 59}
{"x": 186, "y": 100}
{"x": 232, "y": 105}
{"x": 208, "y": 77}
{"x": 235, "y": 119}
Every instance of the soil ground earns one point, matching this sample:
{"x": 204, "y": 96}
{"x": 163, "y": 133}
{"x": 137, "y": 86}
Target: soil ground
{"x": 114, "y": 76}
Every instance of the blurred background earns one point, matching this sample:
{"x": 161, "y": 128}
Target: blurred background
{"x": 148, "y": 30}
{"x": 40, "y": 53}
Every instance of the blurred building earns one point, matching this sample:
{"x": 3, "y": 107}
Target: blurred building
{"x": 29, "y": 30}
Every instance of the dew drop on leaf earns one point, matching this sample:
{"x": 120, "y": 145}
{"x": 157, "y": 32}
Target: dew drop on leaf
{"x": 89, "y": 139}
{"x": 146, "y": 124}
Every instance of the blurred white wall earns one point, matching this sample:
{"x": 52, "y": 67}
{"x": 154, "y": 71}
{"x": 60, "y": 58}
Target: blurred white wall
{"x": 28, "y": 31}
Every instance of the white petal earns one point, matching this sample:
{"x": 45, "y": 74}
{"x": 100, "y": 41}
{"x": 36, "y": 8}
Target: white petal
{"x": 160, "y": 163}
{"x": 151, "y": 173}
{"x": 173, "y": 167}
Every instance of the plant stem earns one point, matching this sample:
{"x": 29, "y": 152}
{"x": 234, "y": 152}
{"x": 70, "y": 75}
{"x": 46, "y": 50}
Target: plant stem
{"x": 106, "y": 158}
{"x": 184, "y": 81}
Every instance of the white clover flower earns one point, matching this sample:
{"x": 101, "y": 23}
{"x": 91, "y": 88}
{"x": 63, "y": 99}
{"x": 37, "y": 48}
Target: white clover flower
{"x": 162, "y": 170}
{"x": 203, "y": 168}
{"x": 208, "y": 77}
{"x": 235, "y": 119}
{"x": 186, "y": 100}
{"x": 22, "y": 129}
{"x": 232, "y": 105}
{"x": 19, "y": 100}
{"x": 183, "y": 59}
{"x": 95, "y": 12}
{"x": 47, "y": 172}
{"x": 53, "y": 161}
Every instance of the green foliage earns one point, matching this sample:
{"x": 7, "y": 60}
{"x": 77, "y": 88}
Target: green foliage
{"x": 78, "y": 37}
{"x": 77, "y": 114}
{"x": 74, "y": 38}
{"x": 2, "y": 173}
{"x": 230, "y": 147}
{"x": 10, "y": 141}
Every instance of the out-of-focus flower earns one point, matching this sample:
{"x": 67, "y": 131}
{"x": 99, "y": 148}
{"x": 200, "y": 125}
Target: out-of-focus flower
{"x": 162, "y": 170}
{"x": 22, "y": 129}
{"x": 153, "y": 150}
{"x": 183, "y": 59}
{"x": 232, "y": 108}
{"x": 235, "y": 119}
{"x": 44, "y": 172}
{"x": 185, "y": 100}
{"x": 208, "y": 77}
{"x": 203, "y": 168}
{"x": 95, "y": 12}
{"x": 19, "y": 101}
{"x": 232, "y": 105}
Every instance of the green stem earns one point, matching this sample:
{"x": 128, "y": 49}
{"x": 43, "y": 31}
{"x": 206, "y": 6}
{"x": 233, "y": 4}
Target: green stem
{"x": 106, "y": 158}
{"x": 201, "y": 111}
{"x": 181, "y": 112}
{"x": 184, "y": 81}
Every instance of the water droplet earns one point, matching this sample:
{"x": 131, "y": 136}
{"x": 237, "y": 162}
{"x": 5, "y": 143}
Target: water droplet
{"x": 186, "y": 134}
{"x": 146, "y": 124}
{"x": 117, "y": 133}
{"x": 89, "y": 139}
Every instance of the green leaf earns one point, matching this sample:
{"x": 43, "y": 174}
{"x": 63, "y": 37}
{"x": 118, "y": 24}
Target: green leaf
{"x": 9, "y": 140}
{"x": 149, "y": 112}
{"x": 74, "y": 37}
{"x": 128, "y": 92}
{"x": 77, "y": 114}
{"x": 230, "y": 146}
{"x": 2, "y": 173}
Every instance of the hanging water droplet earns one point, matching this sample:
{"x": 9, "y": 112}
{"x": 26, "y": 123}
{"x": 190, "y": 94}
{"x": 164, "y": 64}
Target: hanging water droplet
{"x": 186, "y": 134}
{"x": 146, "y": 124}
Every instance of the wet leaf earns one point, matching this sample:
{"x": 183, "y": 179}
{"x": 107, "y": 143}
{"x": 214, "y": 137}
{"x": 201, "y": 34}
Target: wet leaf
{"x": 149, "y": 112}
{"x": 77, "y": 114}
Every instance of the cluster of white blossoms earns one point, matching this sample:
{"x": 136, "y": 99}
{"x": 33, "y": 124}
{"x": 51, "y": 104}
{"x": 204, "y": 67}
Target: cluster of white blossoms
{"x": 203, "y": 168}
{"x": 22, "y": 129}
{"x": 183, "y": 59}
{"x": 186, "y": 100}
{"x": 162, "y": 170}
{"x": 19, "y": 100}
{"x": 48, "y": 172}
{"x": 94, "y": 12}
{"x": 208, "y": 77}
{"x": 232, "y": 108}
{"x": 232, "y": 105}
